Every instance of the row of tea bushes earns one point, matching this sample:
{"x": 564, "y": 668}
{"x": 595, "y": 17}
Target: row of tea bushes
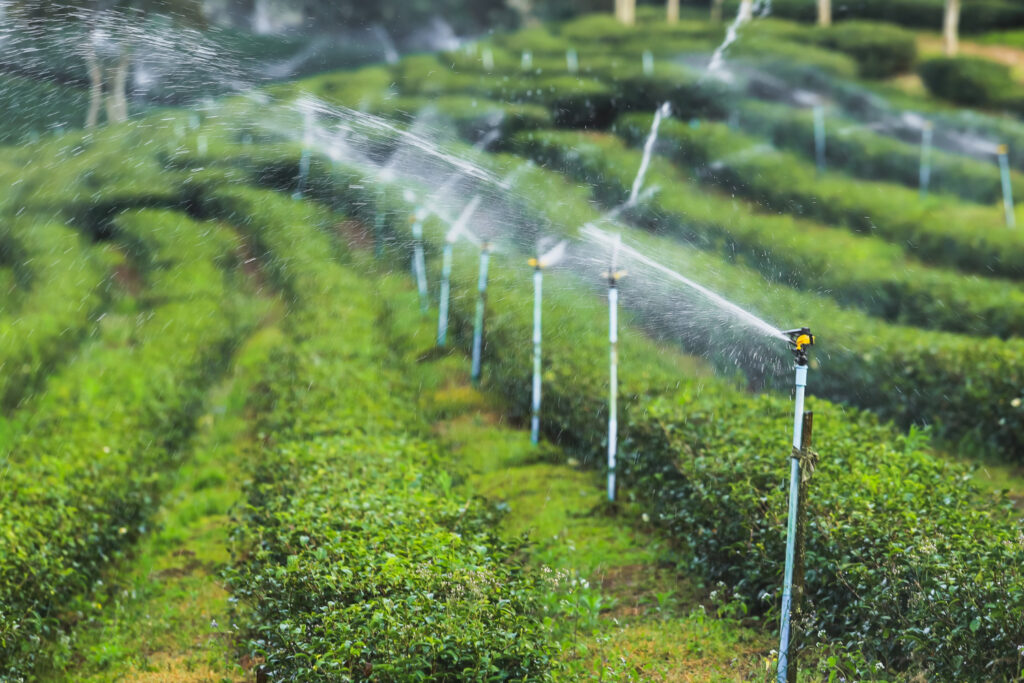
{"x": 857, "y": 270}
{"x": 56, "y": 310}
{"x": 896, "y": 371}
{"x": 355, "y": 559}
{"x": 83, "y": 458}
{"x": 908, "y": 564}
{"x": 865, "y": 154}
{"x": 937, "y": 230}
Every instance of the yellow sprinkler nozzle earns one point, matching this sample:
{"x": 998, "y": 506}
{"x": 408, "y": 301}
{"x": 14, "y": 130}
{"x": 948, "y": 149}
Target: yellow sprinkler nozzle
{"x": 801, "y": 339}
{"x": 534, "y": 262}
{"x": 1003, "y": 149}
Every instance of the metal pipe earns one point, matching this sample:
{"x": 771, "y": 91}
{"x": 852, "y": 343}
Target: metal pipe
{"x": 572, "y": 60}
{"x": 478, "y": 322}
{"x": 446, "y": 277}
{"x": 303, "y": 172}
{"x": 419, "y": 265}
{"x": 527, "y": 60}
{"x": 794, "y": 492}
{"x": 926, "y": 158}
{"x": 648, "y": 62}
{"x": 819, "y": 136}
{"x": 1004, "y": 171}
{"x": 613, "y": 374}
{"x": 538, "y": 278}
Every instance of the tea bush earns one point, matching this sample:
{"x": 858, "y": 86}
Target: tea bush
{"x": 936, "y": 230}
{"x": 860, "y": 152}
{"x": 970, "y": 81}
{"x": 880, "y": 50}
{"x": 84, "y": 457}
{"x": 357, "y": 560}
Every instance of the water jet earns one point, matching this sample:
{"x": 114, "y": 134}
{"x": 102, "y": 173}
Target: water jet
{"x": 446, "y": 268}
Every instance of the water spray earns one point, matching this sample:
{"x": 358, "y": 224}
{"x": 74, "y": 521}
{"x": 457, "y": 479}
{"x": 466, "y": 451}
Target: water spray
{"x": 446, "y": 268}
{"x": 550, "y": 258}
{"x": 1004, "y": 171}
{"x": 927, "y": 131}
{"x": 572, "y": 61}
{"x": 613, "y": 276}
{"x": 663, "y": 111}
{"x": 800, "y": 341}
{"x": 478, "y": 321}
{"x": 648, "y": 62}
{"x": 819, "y": 136}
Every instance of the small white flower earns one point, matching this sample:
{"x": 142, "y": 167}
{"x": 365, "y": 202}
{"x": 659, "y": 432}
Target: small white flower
{"x": 879, "y": 666}
{"x": 1015, "y": 402}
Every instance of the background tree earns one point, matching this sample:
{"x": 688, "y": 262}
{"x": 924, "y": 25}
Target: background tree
{"x": 672, "y": 11}
{"x": 716, "y": 10}
{"x": 824, "y": 12}
{"x": 625, "y": 11}
{"x": 951, "y": 28}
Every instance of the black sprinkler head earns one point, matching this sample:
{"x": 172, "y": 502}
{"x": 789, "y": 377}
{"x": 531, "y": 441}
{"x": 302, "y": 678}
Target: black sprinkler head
{"x": 800, "y": 340}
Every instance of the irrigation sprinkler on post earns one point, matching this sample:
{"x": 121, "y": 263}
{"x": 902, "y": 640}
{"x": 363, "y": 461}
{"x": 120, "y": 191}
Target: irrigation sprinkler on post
{"x": 478, "y": 321}
{"x": 419, "y": 266}
{"x": 613, "y": 277}
{"x": 800, "y": 341}
{"x": 572, "y": 61}
{"x": 446, "y": 268}
{"x": 550, "y": 258}
{"x": 1004, "y": 171}
{"x": 648, "y": 62}
{"x": 926, "y": 157}
{"x": 819, "y": 136}
{"x": 527, "y": 61}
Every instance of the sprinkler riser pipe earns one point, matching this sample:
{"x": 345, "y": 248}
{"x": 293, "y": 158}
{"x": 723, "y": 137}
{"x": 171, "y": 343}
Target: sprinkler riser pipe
{"x": 527, "y": 60}
{"x": 572, "y": 61}
{"x": 378, "y": 227}
{"x": 303, "y": 173}
{"x": 446, "y": 286}
{"x": 478, "y": 322}
{"x": 538, "y": 279}
{"x": 926, "y": 160}
{"x": 819, "y": 137}
{"x": 419, "y": 265}
{"x": 1004, "y": 172}
{"x": 794, "y": 501}
{"x": 613, "y": 398}
{"x": 648, "y": 63}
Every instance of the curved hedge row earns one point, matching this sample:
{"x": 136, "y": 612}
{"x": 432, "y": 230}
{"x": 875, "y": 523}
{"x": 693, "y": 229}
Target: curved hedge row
{"x": 359, "y": 562}
{"x": 866, "y": 154}
{"x": 860, "y": 271}
{"x": 906, "y": 562}
{"x": 83, "y": 458}
{"x": 68, "y": 289}
{"x": 936, "y": 230}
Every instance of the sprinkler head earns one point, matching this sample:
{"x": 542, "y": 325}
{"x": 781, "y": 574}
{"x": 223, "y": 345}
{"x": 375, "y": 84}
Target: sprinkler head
{"x": 1002, "y": 149}
{"x": 535, "y": 263}
{"x": 800, "y": 340}
{"x": 614, "y": 276}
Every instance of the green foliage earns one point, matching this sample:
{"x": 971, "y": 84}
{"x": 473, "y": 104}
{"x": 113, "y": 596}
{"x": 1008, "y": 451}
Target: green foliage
{"x": 881, "y": 50}
{"x": 970, "y": 81}
{"x": 977, "y": 15}
{"x": 861, "y": 152}
{"x": 357, "y": 561}
{"x": 84, "y": 458}
{"x": 937, "y": 230}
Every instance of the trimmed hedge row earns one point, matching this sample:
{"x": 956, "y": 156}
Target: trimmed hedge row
{"x": 69, "y": 287}
{"x": 866, "y": 154}
{"x": 978, "y": 15}
{"x": 936, "y": 230}
{"x": 972, "y": 82}
{"x": 907, "y": 562}
{"x": 83, "y": 459}
{"x": 859, "y": 271}
{"x": 896, "y": 371}
{"x": 357, "y": 561}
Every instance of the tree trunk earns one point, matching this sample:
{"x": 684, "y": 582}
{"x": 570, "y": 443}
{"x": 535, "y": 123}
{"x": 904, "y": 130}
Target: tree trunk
{"x": 95, "y": 87}
{"x": 746, "y": 11}
{"x": 824, "y": 12}
{"x": 119, "y": 89}
{"x": 672, "y": 11}
{"x": 951, "y": 28}
{"x": 716, "y": 10}
{"x": 625, "y": 11}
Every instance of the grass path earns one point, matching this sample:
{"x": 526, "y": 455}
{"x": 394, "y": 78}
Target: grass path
{"x": 164, "y": 615}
